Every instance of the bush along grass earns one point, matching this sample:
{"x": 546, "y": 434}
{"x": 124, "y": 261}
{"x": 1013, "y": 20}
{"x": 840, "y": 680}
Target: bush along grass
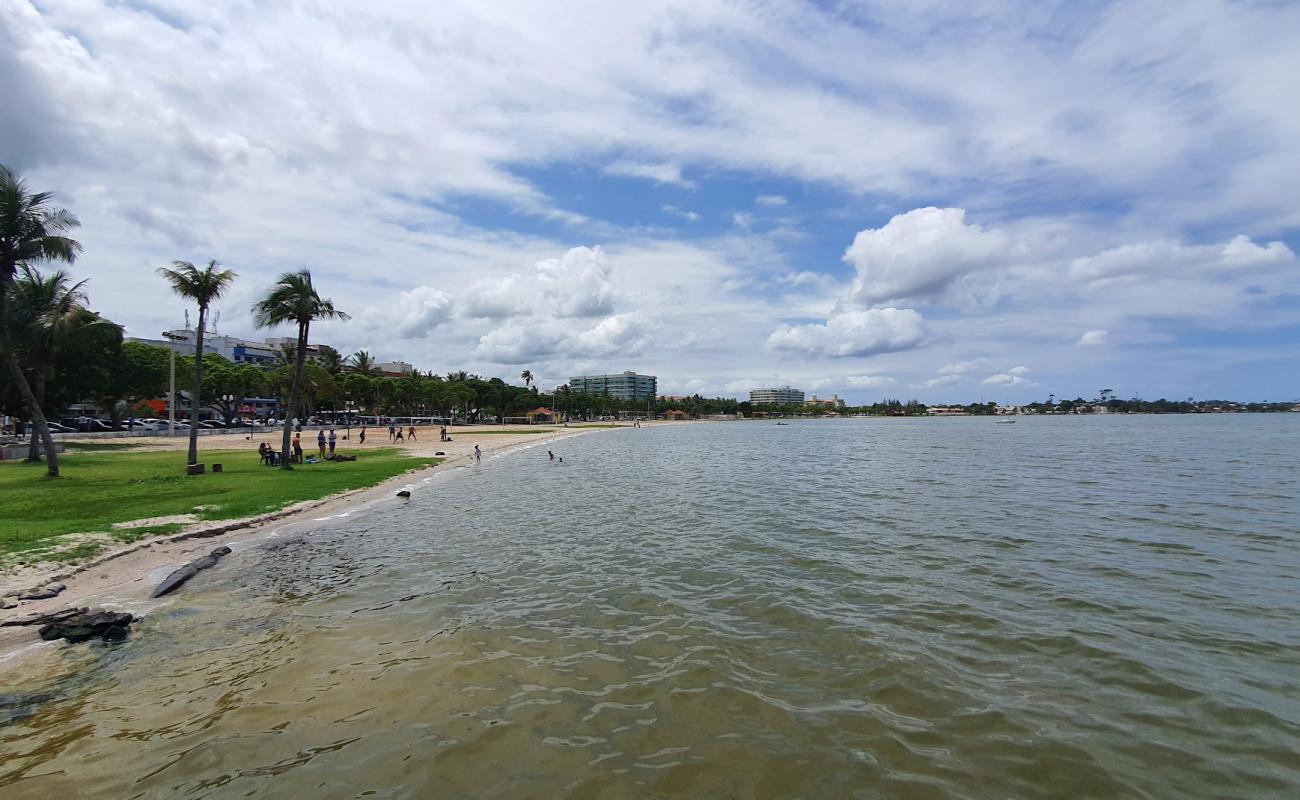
{"x": 102, "y": 488}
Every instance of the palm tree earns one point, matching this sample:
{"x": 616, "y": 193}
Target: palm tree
{"x": 527, "y": 375}
{"x": 294, "y": 299}
{"x": 44, "y": 313}
{"x": 329, "y": 359}
{"x": 31, "y": 230}
{"x": 202, "y": 286}
{"x": 362, "y": 362}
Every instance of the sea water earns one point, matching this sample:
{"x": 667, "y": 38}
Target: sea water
{"x": 883, "y": 608}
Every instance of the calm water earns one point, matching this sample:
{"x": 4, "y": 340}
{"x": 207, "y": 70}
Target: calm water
{"x": 943, "y": 608}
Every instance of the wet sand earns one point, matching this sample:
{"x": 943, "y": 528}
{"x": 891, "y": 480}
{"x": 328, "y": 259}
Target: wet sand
{"x": 128, "y": 569}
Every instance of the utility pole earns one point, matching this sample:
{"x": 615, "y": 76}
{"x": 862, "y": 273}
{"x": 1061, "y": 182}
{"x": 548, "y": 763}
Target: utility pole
{"x": 171, "y": 386}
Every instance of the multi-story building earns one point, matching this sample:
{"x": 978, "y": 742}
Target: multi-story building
{"x": 833, "y": 403}
{"x": 620, "y": 386}
{"x": 232, "y": 348}
{"x": 777, "y": 396}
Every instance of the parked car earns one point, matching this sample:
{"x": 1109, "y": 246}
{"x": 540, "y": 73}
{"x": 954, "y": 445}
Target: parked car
{"x": 211, "y": 423}
{"x": 53, "y": 426}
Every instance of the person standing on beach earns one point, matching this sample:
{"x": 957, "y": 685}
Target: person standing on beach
{"x": 392, "y": 432}
{"x": 333, "y": 439}
{"x": 478, "y": 454}
{"x": 297, "y": 448}
{"x": 398, "y": 437}
{"x": 362, "y": 437}
{"x": 320, "y": 443}
{"x": 410, "y": 433}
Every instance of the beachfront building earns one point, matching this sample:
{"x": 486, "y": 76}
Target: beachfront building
{"x": 778, "y": 396}
{"x": 394, "y": 369}
{"x": 619, "y": 386}
{"x": 232, "y": 348}
{"x": 832, "y": 404}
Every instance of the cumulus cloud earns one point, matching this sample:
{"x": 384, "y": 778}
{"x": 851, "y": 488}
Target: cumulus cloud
{"x": 1092, "y": 338}
{"x": 920, "y": 253}
{"x": 578, "y": 284}
{"x": 417, "y": 312}
{"x": 516, "y": 343}
{"x": 621, "y": 334}
{"x": 742, "y": 219}
{"x": 853, "y": 333}
{"x": 868, "y": 381}
{"x": 667, "y": 173}
{"x": 770, "y": 200}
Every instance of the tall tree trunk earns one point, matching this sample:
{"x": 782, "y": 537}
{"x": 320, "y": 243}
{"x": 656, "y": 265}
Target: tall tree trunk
{"x": 38, "y": 392}
{"x": 195, "y": 402}
{"x": 300, "y": 359}
{"x": 39, "y": 428}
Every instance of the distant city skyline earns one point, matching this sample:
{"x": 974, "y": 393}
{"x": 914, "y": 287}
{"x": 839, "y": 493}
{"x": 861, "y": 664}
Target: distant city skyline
{"x": 895, "y": 201}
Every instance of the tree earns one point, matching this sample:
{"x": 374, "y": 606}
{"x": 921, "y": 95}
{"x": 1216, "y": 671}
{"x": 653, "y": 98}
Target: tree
{"x": 137, "y": 373}
{"x": 362, "y": 362}
{"x": 293, "y": 298}
{"x": 45, "y": 314}
{"x": 202, "y": 286}
{"x": 527, "y": 375}
{"x": 329, "y": 359}
{"x": 31, "y": 230}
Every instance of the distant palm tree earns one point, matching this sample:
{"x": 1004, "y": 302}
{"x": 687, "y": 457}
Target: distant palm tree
{"x": 202, "y": 286}
{"x": 329, "y": 359}
{"x": 457, "y": 377}
{"x": 527, "y": 375}
{"x": 293, "y": 298}
{"x": 31, "y": 230}
{"x": 362, "y": 362}
{"x": 45, "y": 311}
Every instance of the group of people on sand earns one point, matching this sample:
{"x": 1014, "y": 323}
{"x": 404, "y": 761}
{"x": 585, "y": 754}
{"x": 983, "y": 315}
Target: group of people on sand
{"x": 325, "y": 443}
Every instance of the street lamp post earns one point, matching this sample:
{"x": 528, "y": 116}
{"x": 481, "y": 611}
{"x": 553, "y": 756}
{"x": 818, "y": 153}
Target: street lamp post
{"x": 171, "y": 387}
{"x": 227, "y": 399}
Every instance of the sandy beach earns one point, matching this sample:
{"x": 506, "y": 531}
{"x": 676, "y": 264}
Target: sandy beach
{"x": 126, "y": 571}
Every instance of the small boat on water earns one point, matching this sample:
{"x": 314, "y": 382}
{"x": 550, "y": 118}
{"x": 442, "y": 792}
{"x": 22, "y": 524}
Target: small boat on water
{"x": 1006, "y": 422}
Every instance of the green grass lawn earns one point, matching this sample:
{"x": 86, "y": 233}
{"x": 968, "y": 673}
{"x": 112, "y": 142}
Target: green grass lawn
{"x": 101, "y": 488}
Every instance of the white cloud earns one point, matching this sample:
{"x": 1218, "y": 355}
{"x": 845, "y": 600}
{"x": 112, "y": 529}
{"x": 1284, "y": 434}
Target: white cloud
{"x": 742, "y": 219}
{"x": 1174, "y": 259}
{"x": 416, "y": 314}
{"x": 1092, "y": 338}
{"x": 625, "y": 335}
{"x": 938, "y": 381}
{"x": 577, "y": 285}
{"x": 920, "y": 253}
{"x": 961, "y": 367}
{"x": 1012, "y": 377}
{"x": 659, "y": 173}
{"x": 770, "y": 200}
{"x": 853, "y": 333}
{"x": 689, "y": 216}
{"x": 868, "y": 381}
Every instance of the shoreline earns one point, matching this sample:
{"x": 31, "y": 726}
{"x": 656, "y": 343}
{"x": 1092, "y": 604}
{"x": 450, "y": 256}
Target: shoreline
{"x": 126, "y": 570}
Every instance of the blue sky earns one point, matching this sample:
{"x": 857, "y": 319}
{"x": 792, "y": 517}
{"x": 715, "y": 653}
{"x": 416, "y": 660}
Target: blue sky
{"x": 946, "y": 202}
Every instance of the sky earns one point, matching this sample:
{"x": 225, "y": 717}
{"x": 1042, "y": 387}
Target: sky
{"x": 945, "y": 201}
